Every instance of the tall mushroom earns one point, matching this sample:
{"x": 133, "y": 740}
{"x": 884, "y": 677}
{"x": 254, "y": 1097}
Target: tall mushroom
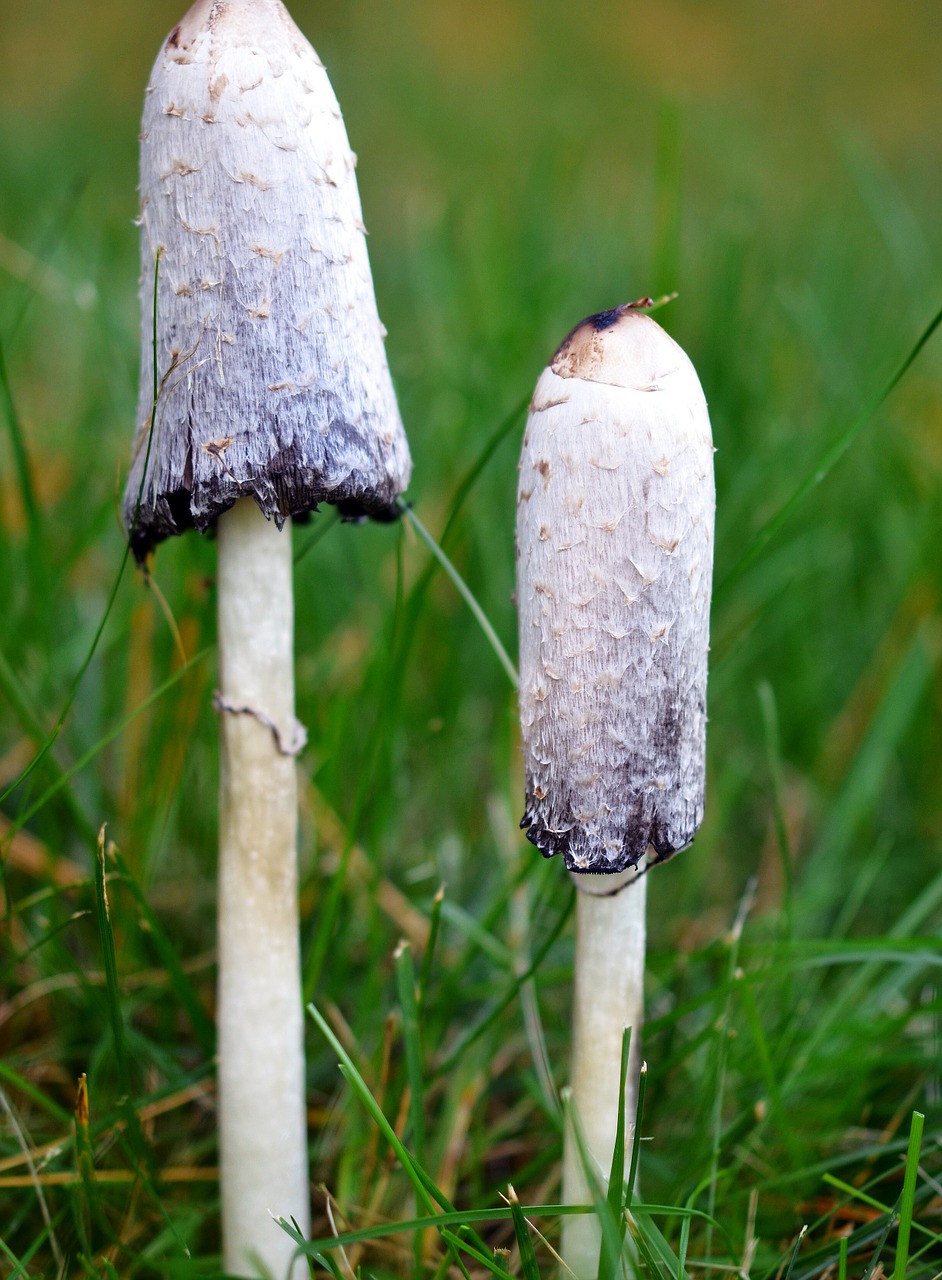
{"x": 271, "y": 394}
{"x": 614, "y": 567}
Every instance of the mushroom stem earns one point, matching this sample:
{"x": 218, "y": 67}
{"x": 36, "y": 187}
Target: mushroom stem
{"x": 262, "y": 1115}
{"x": 608, "y": 996}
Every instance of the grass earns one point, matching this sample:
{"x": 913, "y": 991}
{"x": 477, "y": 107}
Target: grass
{"x": 518, "y": 172}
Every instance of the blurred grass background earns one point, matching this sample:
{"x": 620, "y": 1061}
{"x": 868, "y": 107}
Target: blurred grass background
{"x": 522, "y": 164}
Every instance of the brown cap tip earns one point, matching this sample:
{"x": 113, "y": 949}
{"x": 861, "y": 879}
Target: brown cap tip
{"x": 622, "y": 347}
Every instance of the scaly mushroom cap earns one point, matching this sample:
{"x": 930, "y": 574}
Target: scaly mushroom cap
{"x": 614, "y": 567}
{"x": 271, "y": 370}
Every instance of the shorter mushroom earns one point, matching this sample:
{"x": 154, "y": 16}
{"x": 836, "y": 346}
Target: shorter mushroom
{"x": 264, "y": 391}
{"x": 614, "y": 567}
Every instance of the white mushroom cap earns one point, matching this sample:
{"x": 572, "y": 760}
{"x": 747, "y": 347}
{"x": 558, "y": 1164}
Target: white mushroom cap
{"x": 270, "y": 359}
{"x": 614, "y": 569}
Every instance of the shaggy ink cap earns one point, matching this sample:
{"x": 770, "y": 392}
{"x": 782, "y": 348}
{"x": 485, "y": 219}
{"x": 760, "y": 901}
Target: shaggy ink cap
{"x": 271, "y": 370}
{"x": 614, "y": 568}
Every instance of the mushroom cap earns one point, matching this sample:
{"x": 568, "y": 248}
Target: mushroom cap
{"x": 614, "y": 568}
{"x": 272, "y": 380}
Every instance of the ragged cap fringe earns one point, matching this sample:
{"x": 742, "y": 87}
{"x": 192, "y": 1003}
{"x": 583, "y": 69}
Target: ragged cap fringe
{"x": 272, "y": 374}
{"x": 615, "y": 514}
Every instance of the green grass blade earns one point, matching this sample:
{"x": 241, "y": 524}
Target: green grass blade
{"x": 156, "y": 388}
{"x": 770, "y": 725}
{"x": 479, "y": 465}
{"x": 909, "y": 1193}
{"x": 470, "y": 1217}
{"x": 826, "y": 864}
{"x": 858, "y": 1193}
{"x": 14, "y": 1128}
{"x": 793, "y": 1258}
{"x": 825, "y": 464}
{"x": 428, "y": 955}
{"x": 115, "y": 732}
{"x": 200, "y": 1020}
{"x": 424, "y": 1187}
{"x": 38, "y": 1097}
{"x": 480, "y": 1255}
{"x": 480, "y": 1028}
{"x": 721, "y": 1060}
{"x": 390, "y": 683}
{"x": 660, "y": 1257}
{"x": 47, "y": 936}
{"x": 397, "y": 650}
{"x": 86, "y": 1201}
{"x": 640, "y": 1241}
{"x": 770, "y": 1074}
{"x": 12, "y": 689}
{"x": 46, "y": 1233}
{"x": 19, "y": 1267}
{"x": 110, "y": 962}
{"x": 68, "y": 202}
{"x": 412, "y": 1039}
{"x": 133, "y": 1141}
{"x": 76, "y": 682}
{"x": 20, "y": 460}
{"x": 636, "y": 1139}
{"x": 528, "y": 1262}
{"x": 478, "y": 933}
{"x": 683, "y": 1247}
{"x": 875, "y": 1267}
{"x": 329, "y": 1263}
{"x": 326, "y": 521}
{"x": 116, "y": 585}
{"x": 894, "y": 1215}
{"x": 618, "y": 1193}
{"x": 465, "y": 592}
{"x": 611, "y": 1223}
{"x": 616, "y": 1177}
{"x": 405, "y": 627}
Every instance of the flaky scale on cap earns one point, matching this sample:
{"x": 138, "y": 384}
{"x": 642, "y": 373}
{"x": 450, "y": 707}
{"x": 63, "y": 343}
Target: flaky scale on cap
{"x": 614, "y": 570}
{"x": 273, "y": 380}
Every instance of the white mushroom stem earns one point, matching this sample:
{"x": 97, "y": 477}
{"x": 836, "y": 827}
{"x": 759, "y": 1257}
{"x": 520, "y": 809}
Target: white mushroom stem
{"x": 607, "y": 997}
{"x": 262, "y": 1115}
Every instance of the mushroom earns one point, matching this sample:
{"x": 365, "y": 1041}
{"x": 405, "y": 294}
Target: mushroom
{"x": 614, "y": 566}
{"x": 264, "y": 391}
